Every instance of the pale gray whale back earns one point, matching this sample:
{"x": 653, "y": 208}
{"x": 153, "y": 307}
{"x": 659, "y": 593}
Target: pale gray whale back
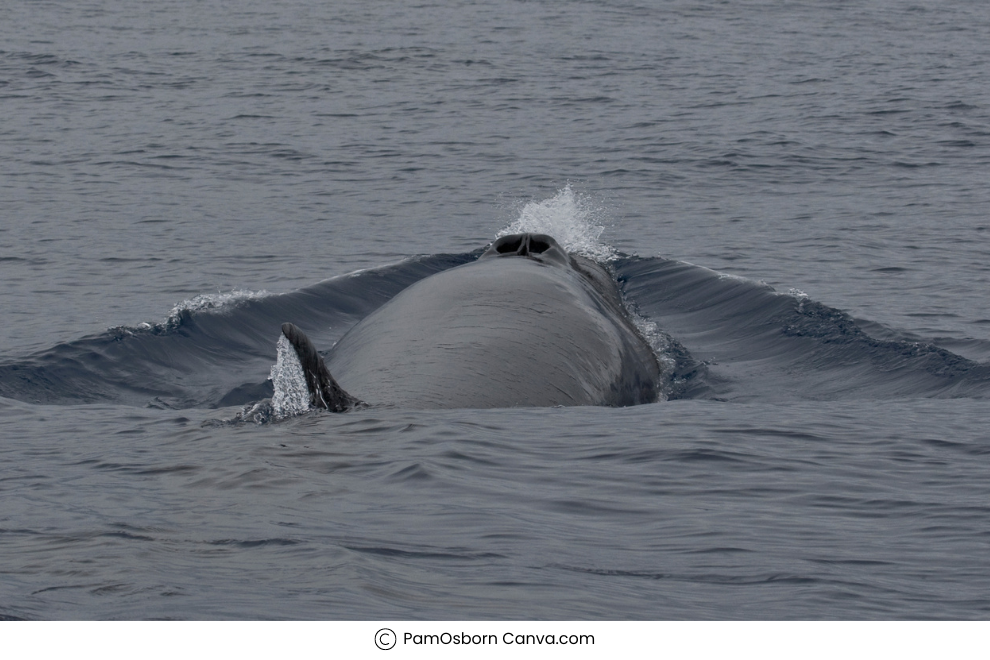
{"x": 525, "y": 325}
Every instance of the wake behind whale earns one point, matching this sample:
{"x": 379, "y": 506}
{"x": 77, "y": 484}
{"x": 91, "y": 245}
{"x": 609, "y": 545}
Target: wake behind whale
{"x": 722, "y": 338}
{"x": 712, "y": 336}
{"x": 762, "y": 345}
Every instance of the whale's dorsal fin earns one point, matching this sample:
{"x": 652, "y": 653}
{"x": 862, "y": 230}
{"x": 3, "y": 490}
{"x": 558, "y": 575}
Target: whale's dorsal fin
{"x": 324, "y": 392}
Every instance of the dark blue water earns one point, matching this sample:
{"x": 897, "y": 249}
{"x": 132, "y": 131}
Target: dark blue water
{"x": 793, "y": 201}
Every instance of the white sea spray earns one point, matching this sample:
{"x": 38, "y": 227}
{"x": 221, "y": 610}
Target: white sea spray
{"x": 573, "y": 219}
{"x": 291, "y": 395}
{"x": 212, "y": 302}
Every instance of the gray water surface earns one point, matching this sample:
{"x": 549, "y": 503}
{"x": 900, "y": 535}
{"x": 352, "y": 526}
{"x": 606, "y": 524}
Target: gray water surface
{"x": 150, "y": 154}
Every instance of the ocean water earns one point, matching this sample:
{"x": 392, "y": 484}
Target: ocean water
{"x": 793, "y": 200}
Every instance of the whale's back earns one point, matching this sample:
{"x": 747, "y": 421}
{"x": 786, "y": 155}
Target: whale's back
{"x": 497, "y": 333}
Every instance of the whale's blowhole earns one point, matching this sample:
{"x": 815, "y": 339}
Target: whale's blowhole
{"x": 539, "y": 247}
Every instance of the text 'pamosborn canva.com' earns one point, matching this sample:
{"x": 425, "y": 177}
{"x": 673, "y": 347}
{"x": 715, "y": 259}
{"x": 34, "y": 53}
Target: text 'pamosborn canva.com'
{"x": 508, "y": 638}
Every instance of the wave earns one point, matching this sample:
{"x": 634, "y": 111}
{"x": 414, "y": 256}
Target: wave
{"x": 212, "y": 352}
{"x": 718, "y": 337}
{"x": 757, "y": 344}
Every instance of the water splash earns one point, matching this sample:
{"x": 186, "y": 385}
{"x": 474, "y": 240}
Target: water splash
{"x": 660, "y": 344}
{"x": 291, "y": 394}
{"x": 571, "y": 218}
{"x": 207, "y": 302}
{"x": 212, "y": 302}
{"x": 800, "y": 296}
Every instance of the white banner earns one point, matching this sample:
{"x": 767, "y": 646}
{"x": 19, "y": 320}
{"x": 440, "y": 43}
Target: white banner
{"x": 392, "y": 640}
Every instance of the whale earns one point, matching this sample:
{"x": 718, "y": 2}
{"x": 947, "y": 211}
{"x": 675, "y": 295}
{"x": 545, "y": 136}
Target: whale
{"x": 527, "y": 324}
